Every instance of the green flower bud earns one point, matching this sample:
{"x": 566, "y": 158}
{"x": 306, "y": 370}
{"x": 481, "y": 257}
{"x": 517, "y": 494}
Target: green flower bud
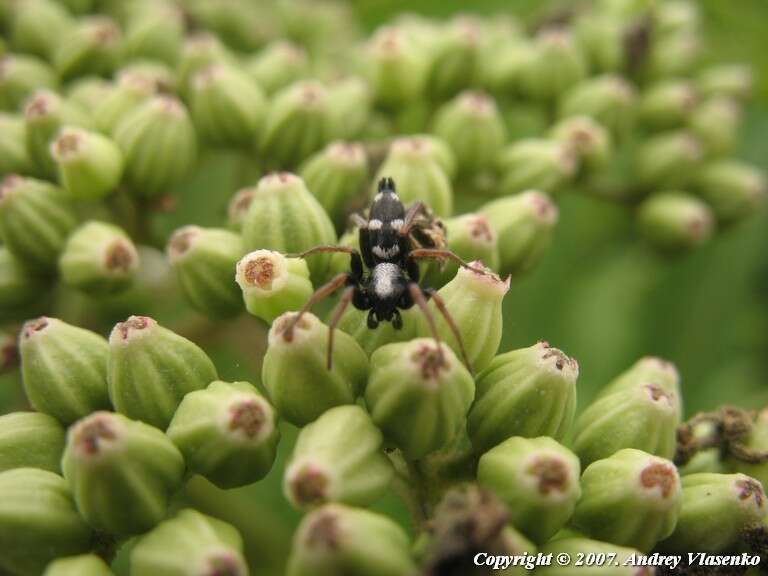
{"x": 337, "y": 539}
{"x": 397, "y": 67}
{"x": 297, "y": 124}
{"x": 30, "y": 440}
{"x": 272, "y": 284}
{"x": 122, "y": 472}
{"x": 338, "y": 458}
{"x": 524, "y": 224}
{"x": 151, "y": 369}
{"x": 91, "y": 47}
{"x": 715, "y": 124}
{"x": 238, "y": 207}
{"x": 130, "y": 91}
{"x": 200, "y": 50}
{"x": 631, "y": 499}
{"x": 601, "y": 37}
{"x": 538, "y": 479}
{"x": 295, "y": 369}
{"x": 716, "y": 510}
{"x": 38, "y": 521}
{"x": 436, "y": 149}
{"x": 355, "y": 323}
{"x": 667, "y": 104}
{"x": 668, "y": 160}
{"x": 19, "y": 287}
{"x": 278, "y": 65}
{"x": 99, "y": 258}
{"x": 90, "y": 165}
{"x": 88, "y": 91}
{"x": 648, "y": 370}
{"x": 588, "y": 141}
{"x": 14, "y": 158}
{"x": 227, "y": 106}
{"x": 350, "y": 101}
{"x": 454, "y": 65}
{"x": 227, "y": 433}
{"x": 83, "y": 565}
{"x": 159, "y": 145}
{"x": 35, "y": 219}
{"x": 608, "y": 99}
{"x": 243, "y": 25}
{"x": 203, "y": 259}
{"x": 190, "y": 543}
{"x": 504, "y": 66}
{"x": 20, "y": 76}
{"x": 473, "y": 127}
{"x": 528, "y": 392}
{"x": 284, "y": 216}
{"x": 38, "y": 26}
{"x": 418, "y": 175}
{"x": 731, "y": 188}
{"x": 727, "y": 80}
{"x": 419, "y": 395}
{"x": 672, "y": 55}
{"x": 535, "y": 163}
{"x": 556, "y": 65}
{"x": 675, "y": 221}
{"x": 623, "y": 564}
{"x": 154, "y": 32}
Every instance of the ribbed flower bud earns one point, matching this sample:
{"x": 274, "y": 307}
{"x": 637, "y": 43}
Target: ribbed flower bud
{"x": 90, "y": 47}
{"x": 14, "y": 158}
{"x": 64, "y": 368}
{"x": 538, "y": 480}
{"x": 159, "y": 144}
{"x": 20, "y": 76}
{"x": 83, "y": 565}
{"x": 528, "y": 392}
{"x": 455, "y": 59}
{"x": 338, "y": 458}
{"x": 649, "y": 369}
{"x": 99, "y": 258}
{"x": 667, "y": 104}
{"x": 227, "y": 433}
{"x": 90, "y": 165}
{"x": 535, "y": 163}
{"x": 38, "y": 521}
{"x": 203, "y": 260}
{"x": 284, "y": 216}
{"x": 190, "y": 543}
{"x": 716, "y": 510}
{"x": 296, "y": 374}
{"x": 238, "y": 207}
{"x": 675, "y": 221}
{"x": 355, "y": 323}
{"x": 88, "y": 91}
{"x": 336, "y": 539}
{"x": 731, "y": 188}
{"x": 122, "y": 472}
{"x": 336, "y": 176}
{"x": 30, "y": 440}
{"x": 278, "y": 65}
{"x": 524, "y": 224}
{"x": 556, "y": 65}
{"x": 589, "y": 142}
{"x": 200, "y": 50}
{"x": 728, "y": 80}
{"x": 630, "y": 499}
{"x": 601, "y": 37}
{"x": 672, "y": 55}
{"x": 668, "y": 160}
{"x": 623, "y": 564}
{"x": 349, "y": 108}
{"x": 151, "y": 368}
{"x": 608, "y": 99}
{"x": 503, "y": 67}
{"x": 20, "y": 288}
{"x": 419, "y": 395}
{"x": 37, "y": 26}
{"x": 715, "y": 124}
{"x": 154, "y": 31}
{"x": 397, "y": 68}
{"x": 227, "y": 106}
{"x": 471, "y": 237}
{"x": 131, "y": 89}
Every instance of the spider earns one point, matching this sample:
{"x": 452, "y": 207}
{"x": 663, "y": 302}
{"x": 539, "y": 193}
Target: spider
{"x": 391, "y": 282}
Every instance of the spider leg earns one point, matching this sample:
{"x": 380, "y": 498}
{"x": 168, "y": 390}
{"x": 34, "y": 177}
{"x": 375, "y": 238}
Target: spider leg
{"x": 346, "y": 298}
{"x": 418, "y": 297}
{"x": 440, "y": 304}
{"x": 440, "y": 254}
{"x": 356, "y": 259}
{"x": 321, "y": 293}
{"x": 358, "y": 220}
{"x": 410, "y": 217}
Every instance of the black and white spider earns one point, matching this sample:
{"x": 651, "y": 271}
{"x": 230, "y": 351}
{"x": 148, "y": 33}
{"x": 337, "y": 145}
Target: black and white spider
{"x": 390, "y": 280}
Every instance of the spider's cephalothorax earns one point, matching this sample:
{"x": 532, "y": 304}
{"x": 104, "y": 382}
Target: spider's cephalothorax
{"x": 384, "y": 274}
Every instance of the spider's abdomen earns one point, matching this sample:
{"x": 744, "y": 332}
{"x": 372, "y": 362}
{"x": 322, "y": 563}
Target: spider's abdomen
{"x": 384, "y": 222}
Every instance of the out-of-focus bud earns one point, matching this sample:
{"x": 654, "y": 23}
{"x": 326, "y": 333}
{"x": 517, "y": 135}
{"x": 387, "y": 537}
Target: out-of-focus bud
{"x": 625, "y": 563}
{"x": 91, "y": 47}
{"x": 122, "y": 472}
{"x": 397, "y": 68}
{"x": 37, "y": 26}
{"x": 336, "y": 176}
{"x": 227, "y": 107}
{"x": 14, "y": 158}
{"x": 517, "y": 389}
{"x": 203, "y": 259}
{"x": 159, "y": 144}
{"x": 668, "y": 160}
{"x": 673, "y": 55}
{"x": 20, "y": 76}
{"x": 151, "y": 368}
{"x": 715, "y": 123}
{"x": 455, "y": 60}
{"x": 667, "y": 104}
{"x": 631, "y": 499}
{"x": 295, "y": 371}
{"x": 338, "y": 458}
{"x": 535, "y": 163}
{"x": 38, "y": 521}
{"x": 154, "y": 31}
{"x": 589, "y": 142}
{"x": 349, "y": 108}
{"x": 83, "y": 565}
{"x": 726, "y": 80}
{"x": 732, "y": 188}
{"x": 538, "y": 479}
{"x": 90, "y": 165}
{"x": 503, "y": 66}
{"x": 284, "y": 216}
{"x": 238, "y": 207}
{"x": 88, "y": 91}
{"x": 278, "y": 65}
{"x": 272, "y": 284}
{"x": 35, "y": 220}
{"x": 675, "y": 221}
{"x": 99, "y": 258}
{"x": 418, "y": 395}
{"x": 20, "y": 288}
{"x": 556, "y": 65}
{"x": 227, "y": 433}
{"x": 524, "y": 224}
{"x": 716, "y": 510}
{"x": 132, "y": 89}
{"x": 608, "y": 99}
{"x": 336, "y": 539}
{"x": 190, "y": 543}
{"x": 601, "y": 37}
{"x": 200, "y": 50}
{"x": 471, "y": 237}
{"x": 30, "y": 440}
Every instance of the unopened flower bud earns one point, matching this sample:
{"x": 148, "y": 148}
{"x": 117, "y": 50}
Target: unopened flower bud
{"x": 732, "y": 188}
{"x": 715, "y": 123}
{"x": 64, "y": 368}
{"x": 517, "y": 389}
{"x": 90, "y": 47}
{"x": 238, "y": 207}
{"x": 190, "y": 543}
{"x": 503, "y": 68}
{"x": 90, "y": 165}
{"x": 589, "y": 142}
{"x": 557, "y": 64}
{"x": 667, "y": 104}
{"x": 624, "y": 563}
{"x": 159, "y": 145}
{"x": 200, "y": 50}
{"x": 37, "y": 26}
{"x": 535, "y": 163}
{"x": 524, "y": 224}
{"x": 631, "y": 499}
{"x": 284, "y": 216}
{"x": 20, "y": 76}
{"x": 419, "y": 395}
{"x": 668, "y": 160}
{"x": 278, "y": 65}
{"x": 154, "y": 31}
{"x": 14, "y": 158}
{"x": 608, "y": 99}
{"x": 675, "y": 221}
{"x": 151, "y": 368}
{"x": 336, "y": 539}
{"x": 471, "y": 237}
{"x": 20, "y": 288}
{"x": 672, "y": 55}
{"x": 455, "y": 61}
{"x": 88, "y": 91}
{"x": 227, "y": 433}
{"x": 295, "y": 369}
{"x": 30, "y": 440}
{"x": 726, "y": 80}
{"x": 538, "y": 479}
{"x": 38, "y": 521}
{"x": 601, "y": 37}
{"x": 131, "y": 89}
{"x": 349, "y": 108}
{"x": 83, "y": 565}
{"x": 355, "y": 323}
{"x": 397, "y": 68}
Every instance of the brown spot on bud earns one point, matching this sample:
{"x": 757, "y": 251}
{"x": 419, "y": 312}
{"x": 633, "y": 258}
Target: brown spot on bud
{"x": 287, "y": 323}
{"x": 657, "y": 394}
{"x": 103, "y": 31}
{"x": 247, "y": 417}
{"x": 659, "y": 475}
{"x": 260, "y": 271}
{"x": 9, "y": 183}
{"x": 119, "y": 257}
{"x": 749, "y": 488}
{"x": 224, "y": 565}
{"x": 9, "y": 354}
{"x": 309, "y": 486}
{"x": 169, "y": 105}
{"x": 431, "y": 361}
{"x": 68, "y": 143}
{"x": 182, "y": 240}
{"x": 477, "y": 103}
{"x": 39, "y": 106}
{"x": 551, "y": 473}
{"x": 544, "y": 208}
{"x": 32, "y": 326}
{"x": 323, "y": 531}
{"x": 134, "y": 323}
{"x": 480, "y": 228}
{"x": 90, "y": 435}
{"x": 561, "y": 360}
{"x": 240, "y": 203}
{"x": 347, "y": 152}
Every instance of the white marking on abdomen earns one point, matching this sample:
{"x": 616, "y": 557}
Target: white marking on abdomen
{"x": 397, "y": 223}
{"x": 386, "y": 253}
{"x": 374, "y": 224}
